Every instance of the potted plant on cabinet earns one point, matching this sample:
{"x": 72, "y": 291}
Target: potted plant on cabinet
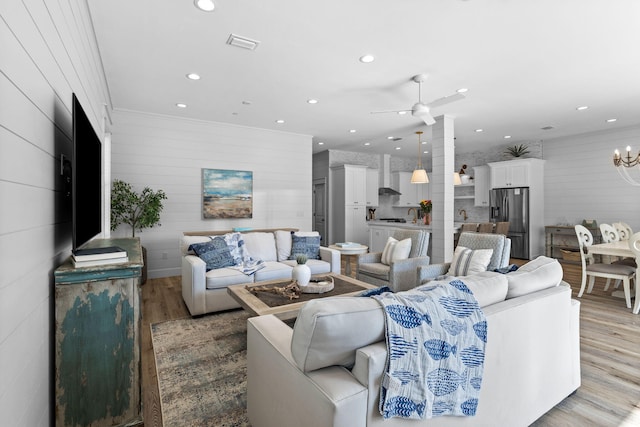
{"x": 138, "y": 210}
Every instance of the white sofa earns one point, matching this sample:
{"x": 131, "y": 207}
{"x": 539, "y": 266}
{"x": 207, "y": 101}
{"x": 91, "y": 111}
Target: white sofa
{"x": 327, "y": 369}
{"x": 206, "y": 291}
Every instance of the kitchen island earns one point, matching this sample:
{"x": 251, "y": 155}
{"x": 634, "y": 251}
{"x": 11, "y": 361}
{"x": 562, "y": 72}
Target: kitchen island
{"x": 380, "y": 230}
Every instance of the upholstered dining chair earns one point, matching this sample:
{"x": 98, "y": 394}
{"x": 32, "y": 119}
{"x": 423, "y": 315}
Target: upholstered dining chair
{"x": 502, "y": 228}
{"x": 591, "y": 269}
{"x": 400, "y": 274}
{"x": 469, "y": 226}
{"x": 499, "y": 243}
{"x": 485, "y": 227}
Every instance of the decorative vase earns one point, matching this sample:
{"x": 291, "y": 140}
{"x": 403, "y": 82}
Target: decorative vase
{"x": 426, "y": 219}
{"x": 301, "y": 273}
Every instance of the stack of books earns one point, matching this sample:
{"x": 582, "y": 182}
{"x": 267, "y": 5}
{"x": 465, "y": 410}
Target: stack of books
{"x": 99, "y": 256}
{"x": 348, "y": 245}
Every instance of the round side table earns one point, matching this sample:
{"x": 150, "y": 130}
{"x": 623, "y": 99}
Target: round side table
{"x": 348, "y": 252}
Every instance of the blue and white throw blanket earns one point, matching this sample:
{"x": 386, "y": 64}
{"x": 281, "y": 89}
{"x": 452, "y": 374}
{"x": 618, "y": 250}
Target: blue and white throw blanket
{"x": 242, "y": 260}
{"x": 436, "y": 336}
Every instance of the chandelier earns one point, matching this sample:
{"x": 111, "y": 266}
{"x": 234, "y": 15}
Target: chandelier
{"x": 419, "y": 175}
{"x": 623, "y": 163}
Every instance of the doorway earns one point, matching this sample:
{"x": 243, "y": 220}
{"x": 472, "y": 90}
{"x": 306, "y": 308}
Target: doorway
{"x": 320, "y": 208}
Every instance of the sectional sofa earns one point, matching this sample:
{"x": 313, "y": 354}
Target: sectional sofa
{"x": 327, "y": 369}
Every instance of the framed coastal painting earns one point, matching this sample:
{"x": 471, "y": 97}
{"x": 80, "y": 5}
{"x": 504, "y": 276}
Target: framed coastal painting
{"x": 227, "y": 193}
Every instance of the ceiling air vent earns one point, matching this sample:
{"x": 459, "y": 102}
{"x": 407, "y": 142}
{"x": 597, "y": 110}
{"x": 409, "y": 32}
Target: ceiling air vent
{"x": 243, "y": 42}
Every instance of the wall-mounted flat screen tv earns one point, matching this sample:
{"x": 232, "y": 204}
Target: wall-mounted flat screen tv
{"x": 86, "y": 172}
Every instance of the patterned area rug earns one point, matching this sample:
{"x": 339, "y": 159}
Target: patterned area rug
{"x": 202, "y": 370}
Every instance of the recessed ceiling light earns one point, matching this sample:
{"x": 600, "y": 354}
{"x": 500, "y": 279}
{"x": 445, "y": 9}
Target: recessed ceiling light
{"x": 205, "y": 5}
{"x": 181, "y": 105}
{"x": 352, "y": 131}
{"x": 320, "y": 143}
{"x": 193, "y": 76}
{"x": 611, "y": 120}
{"x": 312, "y": 101}
{"x": 367, "y": 143}
{"x": 507, "y": 136}
{"x": 425, "y": 152}
{"x": 462, "y": 90}
{"x": 280, "y": 121}
{"x": 367, "y": 58}
{"x": 390, "y": 137}
{"x": 424, "y": 142}
{"x": 402, "y": 113}
{"x": 398, "y": 148}
{"x": 479, "y": 130}
{"x": 582, "y": 107}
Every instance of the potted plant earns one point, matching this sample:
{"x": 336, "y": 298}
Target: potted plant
{"x": 517, "y": 150}
{"x": 137, "y": 210}
{"x": 425, "y": 207}
{"x": 301, "y": 272}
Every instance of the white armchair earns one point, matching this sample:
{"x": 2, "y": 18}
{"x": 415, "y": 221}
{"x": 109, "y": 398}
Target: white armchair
{"x": 398, "y": 275}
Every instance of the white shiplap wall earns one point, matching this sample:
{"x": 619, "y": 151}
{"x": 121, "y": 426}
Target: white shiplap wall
{"x": 582, "y": 183}
{"x": 47, "y": 52}
{"x": 169, "y": 153}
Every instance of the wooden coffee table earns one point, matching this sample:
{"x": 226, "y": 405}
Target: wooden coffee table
{"x": 283, "y": 308}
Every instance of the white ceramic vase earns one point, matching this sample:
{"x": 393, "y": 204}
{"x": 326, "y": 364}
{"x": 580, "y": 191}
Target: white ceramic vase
{"x": 301, "y": 273}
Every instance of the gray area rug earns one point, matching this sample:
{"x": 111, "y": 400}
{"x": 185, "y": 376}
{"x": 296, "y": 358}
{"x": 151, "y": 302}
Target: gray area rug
{"x": 202, "y": 371}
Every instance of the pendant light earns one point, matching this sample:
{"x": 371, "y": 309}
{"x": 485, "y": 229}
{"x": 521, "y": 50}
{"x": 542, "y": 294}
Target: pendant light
{"x": 419, "y": 175}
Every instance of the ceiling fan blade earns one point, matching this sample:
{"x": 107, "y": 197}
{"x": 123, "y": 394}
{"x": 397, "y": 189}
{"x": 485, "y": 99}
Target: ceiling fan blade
{"x": 445, "y": 100}
{"x": 390, "y": 111}
{"x": 427, "y": 118}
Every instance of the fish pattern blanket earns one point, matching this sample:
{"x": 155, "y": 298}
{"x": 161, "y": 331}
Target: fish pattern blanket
{"x": 436, "y": 336}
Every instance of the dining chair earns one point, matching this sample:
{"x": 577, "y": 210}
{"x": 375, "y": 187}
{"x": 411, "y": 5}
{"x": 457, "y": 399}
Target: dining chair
{"x": 485, "y": 227}
{"x": 609, "y": 234}
{"x": 469, "y": 226}
{"x": 634, "y": 245}
{"x": 625, "y": 273}
{"x": 502, "y": 228}
{"x": 623, "y": 230}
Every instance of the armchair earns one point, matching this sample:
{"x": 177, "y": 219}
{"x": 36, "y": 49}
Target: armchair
{"x": 399, "y": 275}
{"x": 500, "y": 244}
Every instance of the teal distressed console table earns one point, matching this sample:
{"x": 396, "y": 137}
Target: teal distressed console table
{"x": 97, "y": 341}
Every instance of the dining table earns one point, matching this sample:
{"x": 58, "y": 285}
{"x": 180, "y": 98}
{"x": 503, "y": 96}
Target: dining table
{"x": 621, "y": 249}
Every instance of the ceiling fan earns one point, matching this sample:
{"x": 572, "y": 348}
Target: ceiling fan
{"x": 422, "y": 110}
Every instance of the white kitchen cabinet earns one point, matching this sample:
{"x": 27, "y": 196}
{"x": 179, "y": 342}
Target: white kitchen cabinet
{"x": 411, "y": 194}
{"x": 355, "y": 229}
{"x": 514, "y": 173}
{"x": 348, "y": 219}
{"x": 482, "y": 185}
{"x": 372, "y": 185}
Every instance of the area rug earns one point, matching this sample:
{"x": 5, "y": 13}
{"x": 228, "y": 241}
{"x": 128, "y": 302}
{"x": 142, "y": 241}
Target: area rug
{"x": 202, "y": 371}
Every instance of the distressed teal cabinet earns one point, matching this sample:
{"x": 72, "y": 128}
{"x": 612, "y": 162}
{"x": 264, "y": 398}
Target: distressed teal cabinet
{"x": 97, "y": 340}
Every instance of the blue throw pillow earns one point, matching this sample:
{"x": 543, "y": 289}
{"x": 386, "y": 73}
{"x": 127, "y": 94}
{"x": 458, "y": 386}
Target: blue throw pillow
{"x": 215, "y": 253}
{"x": 305, "y": 245}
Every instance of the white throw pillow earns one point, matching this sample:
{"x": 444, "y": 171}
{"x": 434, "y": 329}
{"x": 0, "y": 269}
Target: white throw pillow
{"x": 540, "y": 273}
{"x": 388, "y": 250}
{"x": 401, "y": 250}
{"x": 468, "y": 261}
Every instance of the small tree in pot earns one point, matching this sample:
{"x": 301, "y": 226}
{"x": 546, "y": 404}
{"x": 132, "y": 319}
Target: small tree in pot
{"x": 139, "y": 211}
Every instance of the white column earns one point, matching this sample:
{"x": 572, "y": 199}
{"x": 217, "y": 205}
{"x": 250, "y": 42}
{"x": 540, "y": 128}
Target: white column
{"x": 441, "y": 182}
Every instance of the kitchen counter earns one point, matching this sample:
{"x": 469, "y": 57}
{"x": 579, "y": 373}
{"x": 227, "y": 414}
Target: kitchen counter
{"x": 408, "y": 224}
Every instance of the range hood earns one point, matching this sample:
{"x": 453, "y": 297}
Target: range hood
{"x": 385, "y": 189}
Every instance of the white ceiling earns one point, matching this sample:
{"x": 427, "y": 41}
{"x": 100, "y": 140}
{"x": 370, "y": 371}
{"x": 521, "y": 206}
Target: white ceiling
{"x": 527, "y": 64}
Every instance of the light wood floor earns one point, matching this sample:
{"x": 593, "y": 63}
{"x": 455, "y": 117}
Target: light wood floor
{"x": 610, "y": 354}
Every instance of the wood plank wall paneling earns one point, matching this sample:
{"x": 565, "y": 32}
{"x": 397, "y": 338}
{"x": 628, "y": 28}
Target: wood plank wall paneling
{"x": 48, "y": 52}
{"x": 169, "y": 153}
{"x": 582, "y": 183}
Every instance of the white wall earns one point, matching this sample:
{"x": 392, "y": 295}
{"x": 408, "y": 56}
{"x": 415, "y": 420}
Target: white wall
{"x": 47, "y": 51}
{"x": 582, "y": 183}
{"x": 169, "y": 153}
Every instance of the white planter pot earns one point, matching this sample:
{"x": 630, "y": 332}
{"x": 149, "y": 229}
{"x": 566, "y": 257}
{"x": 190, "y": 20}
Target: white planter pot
{"x": 301, "y": 273}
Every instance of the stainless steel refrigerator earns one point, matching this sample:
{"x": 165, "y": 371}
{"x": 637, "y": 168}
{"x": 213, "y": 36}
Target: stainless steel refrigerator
{"x": 512, "y": 205}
